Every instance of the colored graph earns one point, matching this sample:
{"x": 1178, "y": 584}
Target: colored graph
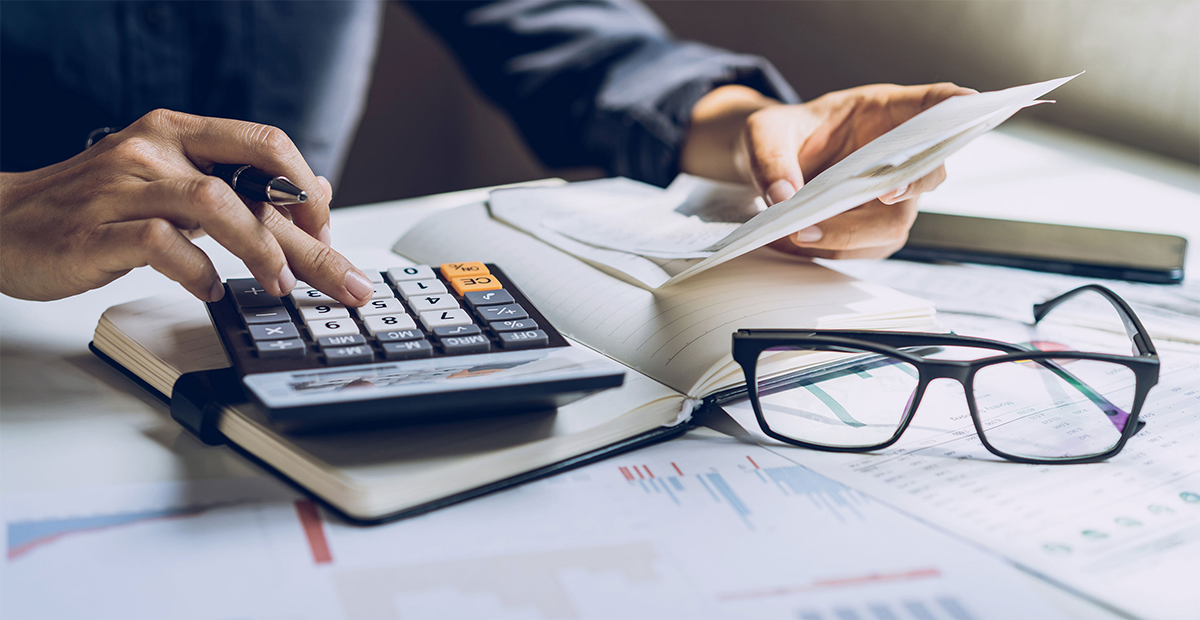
{"x": 26, "y": 536}
{"x": 728, "y": 485}
{"x": 948, "y": 608}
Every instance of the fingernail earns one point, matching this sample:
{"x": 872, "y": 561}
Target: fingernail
{"x": 810, "y": 234}
{"x": 359, "y": 285}
{"x": 325, "y": 236}
{"x": 216, "y": 292}
{"x": 895, "y": 195}
{"x": 780, "y": 191}
{"x": 287, "y": 281}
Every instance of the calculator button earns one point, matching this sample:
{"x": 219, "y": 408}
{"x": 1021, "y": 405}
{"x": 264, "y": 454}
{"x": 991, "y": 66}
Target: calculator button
{"x": 383, "y": 291}
{"x": 458, "y": 345}
{"x": 348, "y": 340}
{"x": 507, "y": 312}
{"x": 332, "y": 327}
{"x": 274, "y": 349}
{"x": 248, "y": 293}
{"x": 433, "y": 302}
{"x": 374, "y": 275}
{"x": 487, "y": 298}
{"x": 380, "y": 306}
{"x": 441, "y": 318}
{"x": 414, "y": 288}
{"x": 454, "y": 270}
{"x": 324, "y": 311}
{"x": 258, "y": 316}
{"x": 457, "y": 330}
{"x": 404, "y": 274}
{"x": 407, "y": 350}
{"x": 361, "y": 354}
{"x": 312, "y": 297}
{"x": 399, "y": 335}
{"x": 388, "y": 322}
{"x": 513, "y": 326}
{"x": 464, "y": 284}
{"x": 524, "y": 340}
{"x": 274, "y": 331}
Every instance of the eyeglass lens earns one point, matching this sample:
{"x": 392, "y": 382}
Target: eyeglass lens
{"x": 1045, "y": 409}
{"x": 1054, "y": 408}
{"x": 859, "y": 403}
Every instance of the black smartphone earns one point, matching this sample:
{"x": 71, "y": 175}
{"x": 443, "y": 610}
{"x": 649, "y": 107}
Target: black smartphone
{"x": 1074, "y": 250}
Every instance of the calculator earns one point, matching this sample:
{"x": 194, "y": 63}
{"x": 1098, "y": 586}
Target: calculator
{"x": 434, "y": 343}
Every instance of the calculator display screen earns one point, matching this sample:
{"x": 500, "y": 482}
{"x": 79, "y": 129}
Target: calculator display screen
{"x": 429, "y": 376}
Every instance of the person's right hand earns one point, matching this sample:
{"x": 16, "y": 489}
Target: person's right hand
{"x": 138, "y": 196}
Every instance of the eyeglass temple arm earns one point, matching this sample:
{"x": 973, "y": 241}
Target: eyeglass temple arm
{"x": 1133, "y": 326}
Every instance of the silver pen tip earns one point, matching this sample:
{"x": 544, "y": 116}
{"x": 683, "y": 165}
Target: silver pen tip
{"x": 303, "y": 196}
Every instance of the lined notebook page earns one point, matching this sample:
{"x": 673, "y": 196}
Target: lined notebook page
{"x": 679, "y": 335}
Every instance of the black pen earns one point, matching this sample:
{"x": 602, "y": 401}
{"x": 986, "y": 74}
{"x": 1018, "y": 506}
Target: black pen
{"x": 258, "y": 185}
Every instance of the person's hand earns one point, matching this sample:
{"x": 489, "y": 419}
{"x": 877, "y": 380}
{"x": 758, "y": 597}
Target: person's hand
{"x": 739, "y": 135}
{"x": 138, "y": 196}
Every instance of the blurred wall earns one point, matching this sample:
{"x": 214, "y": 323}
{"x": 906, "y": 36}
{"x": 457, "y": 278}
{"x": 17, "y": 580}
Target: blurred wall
{"x": 426, "y": 131}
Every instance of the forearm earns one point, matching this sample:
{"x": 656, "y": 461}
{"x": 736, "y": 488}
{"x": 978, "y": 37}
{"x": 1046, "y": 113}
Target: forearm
{"x": 713, "y": 147}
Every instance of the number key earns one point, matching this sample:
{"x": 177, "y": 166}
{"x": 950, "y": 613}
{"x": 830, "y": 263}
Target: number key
{"x": 323, "y": 311}
{"x": 432, "y": 302}
{"x": 380, "y": 306}
{"x": 416, "y": 288}
{"x": 388, "y": 323}
{"x": 332, "y": 327}
{"x": 416, "y": 272}
{"x": 311, "y": 297}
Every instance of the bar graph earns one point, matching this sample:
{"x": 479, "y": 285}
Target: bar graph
{"x": 733, "y": 485}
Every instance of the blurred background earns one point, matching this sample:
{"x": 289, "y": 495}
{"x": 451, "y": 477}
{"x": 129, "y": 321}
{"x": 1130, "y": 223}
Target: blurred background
{"x": 425, "y": 129}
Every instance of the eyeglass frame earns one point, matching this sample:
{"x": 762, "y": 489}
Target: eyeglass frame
{"x": 748, "y": 344}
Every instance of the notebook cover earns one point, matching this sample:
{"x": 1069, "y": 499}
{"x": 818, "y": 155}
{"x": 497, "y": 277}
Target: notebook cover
{"x": 625, "y": 445}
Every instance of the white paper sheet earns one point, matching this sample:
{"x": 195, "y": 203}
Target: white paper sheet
{"x": 703, "y": 526}
{"x": 605, "y": 221}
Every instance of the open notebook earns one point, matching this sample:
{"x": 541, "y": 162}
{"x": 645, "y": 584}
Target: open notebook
{"x": 676, "y": 342}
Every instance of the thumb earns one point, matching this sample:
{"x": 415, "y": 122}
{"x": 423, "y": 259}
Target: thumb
{"x": 772, "y": 149}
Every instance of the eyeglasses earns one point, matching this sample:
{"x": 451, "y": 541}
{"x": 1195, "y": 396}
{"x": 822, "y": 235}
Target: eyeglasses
{"x": 1027, "y": 405}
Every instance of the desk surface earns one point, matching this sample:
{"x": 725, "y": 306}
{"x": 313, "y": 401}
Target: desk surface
{"x": 68, "y": 422}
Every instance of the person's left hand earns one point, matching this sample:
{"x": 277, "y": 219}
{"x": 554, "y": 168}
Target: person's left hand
{"x": 739, "y": 135}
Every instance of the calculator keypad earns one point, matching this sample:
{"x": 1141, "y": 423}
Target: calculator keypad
{"x": 415, "y": 312}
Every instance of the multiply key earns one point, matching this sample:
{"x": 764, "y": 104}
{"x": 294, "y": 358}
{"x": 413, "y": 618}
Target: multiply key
{"x": 274, "y": 331}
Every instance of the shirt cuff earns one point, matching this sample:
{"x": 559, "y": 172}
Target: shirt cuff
{"x": 656, "y": 132}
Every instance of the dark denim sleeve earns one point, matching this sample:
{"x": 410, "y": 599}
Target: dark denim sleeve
{"x": 593, "y": 82}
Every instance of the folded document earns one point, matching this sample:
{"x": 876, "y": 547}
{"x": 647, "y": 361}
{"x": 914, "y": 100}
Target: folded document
{"x": 658, "y": 237}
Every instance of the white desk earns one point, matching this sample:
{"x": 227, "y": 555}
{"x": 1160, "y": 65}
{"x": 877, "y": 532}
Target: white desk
{"x": 69, "y": 422}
